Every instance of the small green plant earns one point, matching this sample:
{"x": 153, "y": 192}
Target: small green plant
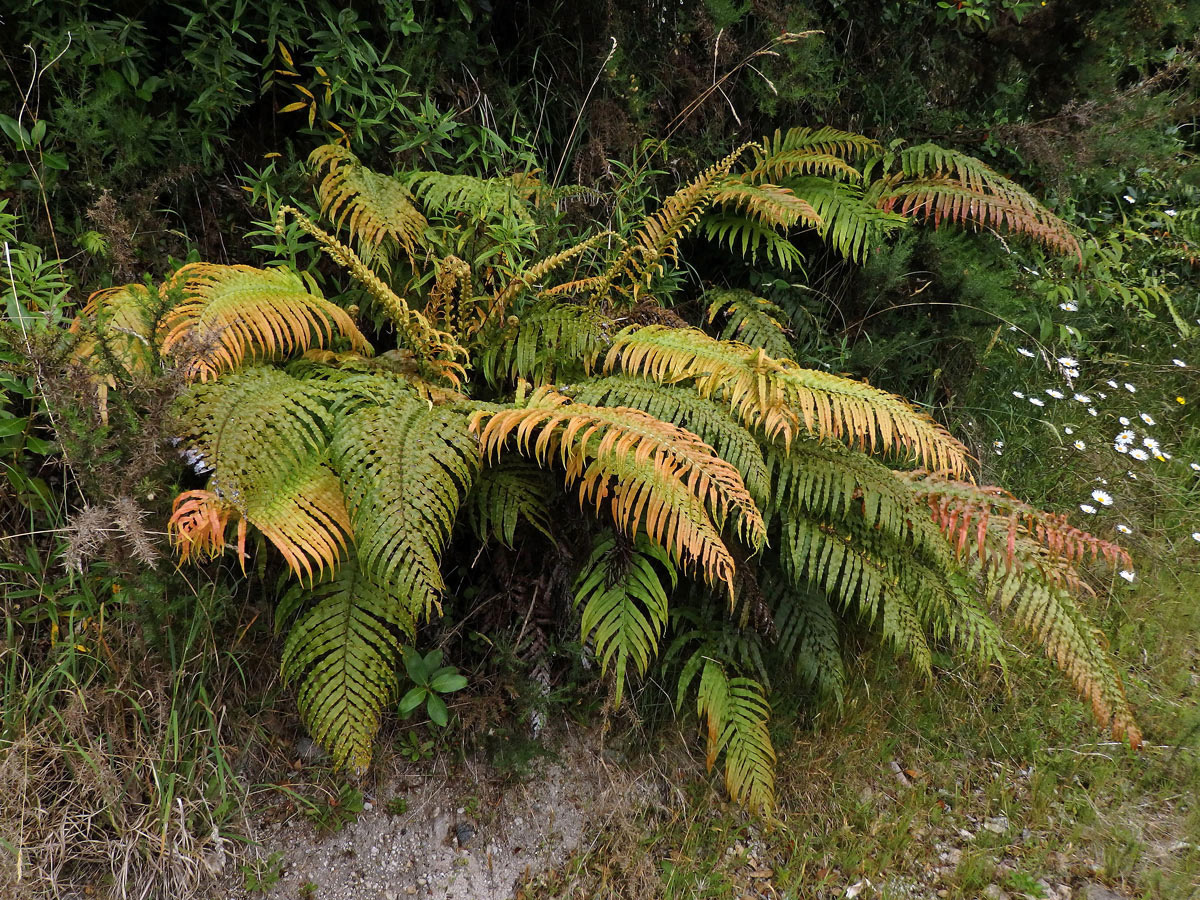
{"x": 308, "y": 890}
{"x": 430, "y": 680}
{"x": 332, "y": 816}
{"x": 413, "y": 748}
{"x": 259, "y": 875}
{"x": 1024, "y": 883}
{"x": 397, "y": 806}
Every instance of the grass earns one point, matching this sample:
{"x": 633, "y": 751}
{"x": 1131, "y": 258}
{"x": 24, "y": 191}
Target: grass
{"x": 1008, "y": 785}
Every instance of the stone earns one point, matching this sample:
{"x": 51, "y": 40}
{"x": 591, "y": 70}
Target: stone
{"x": 1093, "y": 891}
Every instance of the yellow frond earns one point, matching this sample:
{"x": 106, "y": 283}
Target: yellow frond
{"x": 231, "y": 312}
{"x": 659, "y": 477}
{"x": 780, "y": 396}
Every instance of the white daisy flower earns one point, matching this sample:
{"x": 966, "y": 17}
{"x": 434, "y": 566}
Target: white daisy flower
{"x": 1037, "y": 401}
{"x": 1068, "y": 307}
{"x": 1125, "y": 437}
{"x": 1068, "y": 429}
{"x": 1102, "y": 497}
{"x": 1147, "y": 418}
{"x": 998, "y": 446}
{"x": 1139, "y": 454}
{"x": 1121, "y": 448}
{"x": 1092, "y": 411}
{"x": 1079, "y": 445}
{"x": 1088, "y": 508}
{"x": 1018, "y": 395}
{"x": 1149, "y": 443}
{"x": 1112, "y": 384}
{"x": 1071, "y": 373}
{"x": 1057, "y": 395}
{"x": 1130, "y": 475}
{"x": 1124, "y": 421}
{"x": 1129, "y": 198}
{"x": 1129, "y": 387}
{"x": 1170, "y": 212}
{"x": 1068, "y": 362}
{"x": 1195, "y": 467}
{"x": 1025, "y": 352}
{"x": 1180, "y": 363}
{"x": 1127, "y": 575}
{"x": 1196, "y": 535}
{"x": 1124, "y": 529}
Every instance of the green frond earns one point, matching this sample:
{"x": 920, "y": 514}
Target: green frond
{"x": 752, "y": 320}
{"x": 680, "y": 406}
{"x": 736, "y": 714}
{"x": 119, "y": 323}
{"x": 377, "y": 209}
{"x": 767, "y": 204}
{"x": 779, "y": 395}
{"x": 624, "y": 604}
{"x": 343, "y": 654}
{"x": 405, "y": 467}
{"x": 747, "y": 237}
{"x": 657, "y": 241}
{"x": 818, "y": 151}
{"x": 505, "y": 494}
{"x": 808, "y": 636}
{"x": 939, "y": 184}
{"x": 231, "y": 312}
{"x": 265, "y": 436}
{"x": 541, "y": 269}
{"x": 851, "y": 222}
{"x": 451, "y": 195}
{"x": 660, "y": 479}
{"x": 544, "y": 340}
{"x": 438, "y": 350}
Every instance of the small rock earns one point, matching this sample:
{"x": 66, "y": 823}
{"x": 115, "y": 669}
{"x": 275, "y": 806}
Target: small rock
{"x": 464, "y": 832}
{"x": 307, "y": 750}
{"x": 994, "y": 892}
{"x": 1093, "y": 891}
{"x": 998, "y": 825}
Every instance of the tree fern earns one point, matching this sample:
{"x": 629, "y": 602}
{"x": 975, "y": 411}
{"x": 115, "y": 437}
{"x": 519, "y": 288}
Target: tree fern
{"x": 778, "y": 395}
{"x": 624, "y": 603}
{"x": 659, "y": 479}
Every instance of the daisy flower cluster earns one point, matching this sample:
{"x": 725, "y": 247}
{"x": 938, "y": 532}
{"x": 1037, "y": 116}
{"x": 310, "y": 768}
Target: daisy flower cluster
{"x": 1111, "y": 415}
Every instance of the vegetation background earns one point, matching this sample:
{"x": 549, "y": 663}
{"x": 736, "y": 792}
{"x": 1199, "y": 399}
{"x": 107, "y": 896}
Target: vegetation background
{"x": 143, "y": 708}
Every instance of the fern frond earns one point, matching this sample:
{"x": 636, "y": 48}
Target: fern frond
{"x": 851, "y": 221}
{"x": 437, "y": 349}
{"x": 506, "y": 493}
{"x": 197, "y": 526}
{"x": 543, "y": 340}
{"x": 661, "y": 479}
{"x": 624, "y": 604}
{"x": 778, "y": 395}
{"x": 448, "y": 195}
{"x": 405, "y": 467}
{"x": 808, "y": 635}
{"x": 241, "y": 311}
{"x": 767, "y": 204}
{"x": 679, "y": 406}
{"x": 937, "y": 183}
{"x": 752, "y": 320}
{"x": 122, "y": 320}
{"x": 657, "y": 241}
{"x": 377, "y": 209}
{"x": 736, "y": 714}
{"x": 343, "y": 653}
{"x": 264, "y": 434}
{"x": 818, "y": 151}
{"x": 452, "y": 302}
{"x": 747, "y": 237}
{"x": 540, "y": 270}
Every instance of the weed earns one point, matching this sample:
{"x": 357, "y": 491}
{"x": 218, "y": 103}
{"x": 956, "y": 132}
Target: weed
{"x": 333, "y": 815}
{"x": 260, "y": 875}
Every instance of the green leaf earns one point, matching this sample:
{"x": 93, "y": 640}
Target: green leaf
{"x": 411, "y": 701}
{"x": 438, "y": 713}
{"x": 12, "y": 426}
{"x": 415, "y": 665}
{"x": 448, "y": 683}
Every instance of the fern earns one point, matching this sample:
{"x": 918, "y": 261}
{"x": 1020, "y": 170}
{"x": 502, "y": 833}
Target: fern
{"x": 747, "y": 237}
{"x": 343, "y": 655}
{"x": 736, "y": 713}
{"x": 624, "y": 604}
{"x": 505, "y": 494}
{"x": 662, "y": 479}
{"x": 751, "y": 320}
{"x": 544, "y": 340}
{"x": 850, "y": 221}
{"x": 265, "y": 435}
{"x": 808, "y": 637}
{"x": 819, "y": 151}
{"x": 684, "y": 408}
{"x": 452, "y": 195}
{"x": 778, "y": 395}
{"x": 378, "y": 210}
{"x": 240, "y": 310}
{"x": 405, "y": 468}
